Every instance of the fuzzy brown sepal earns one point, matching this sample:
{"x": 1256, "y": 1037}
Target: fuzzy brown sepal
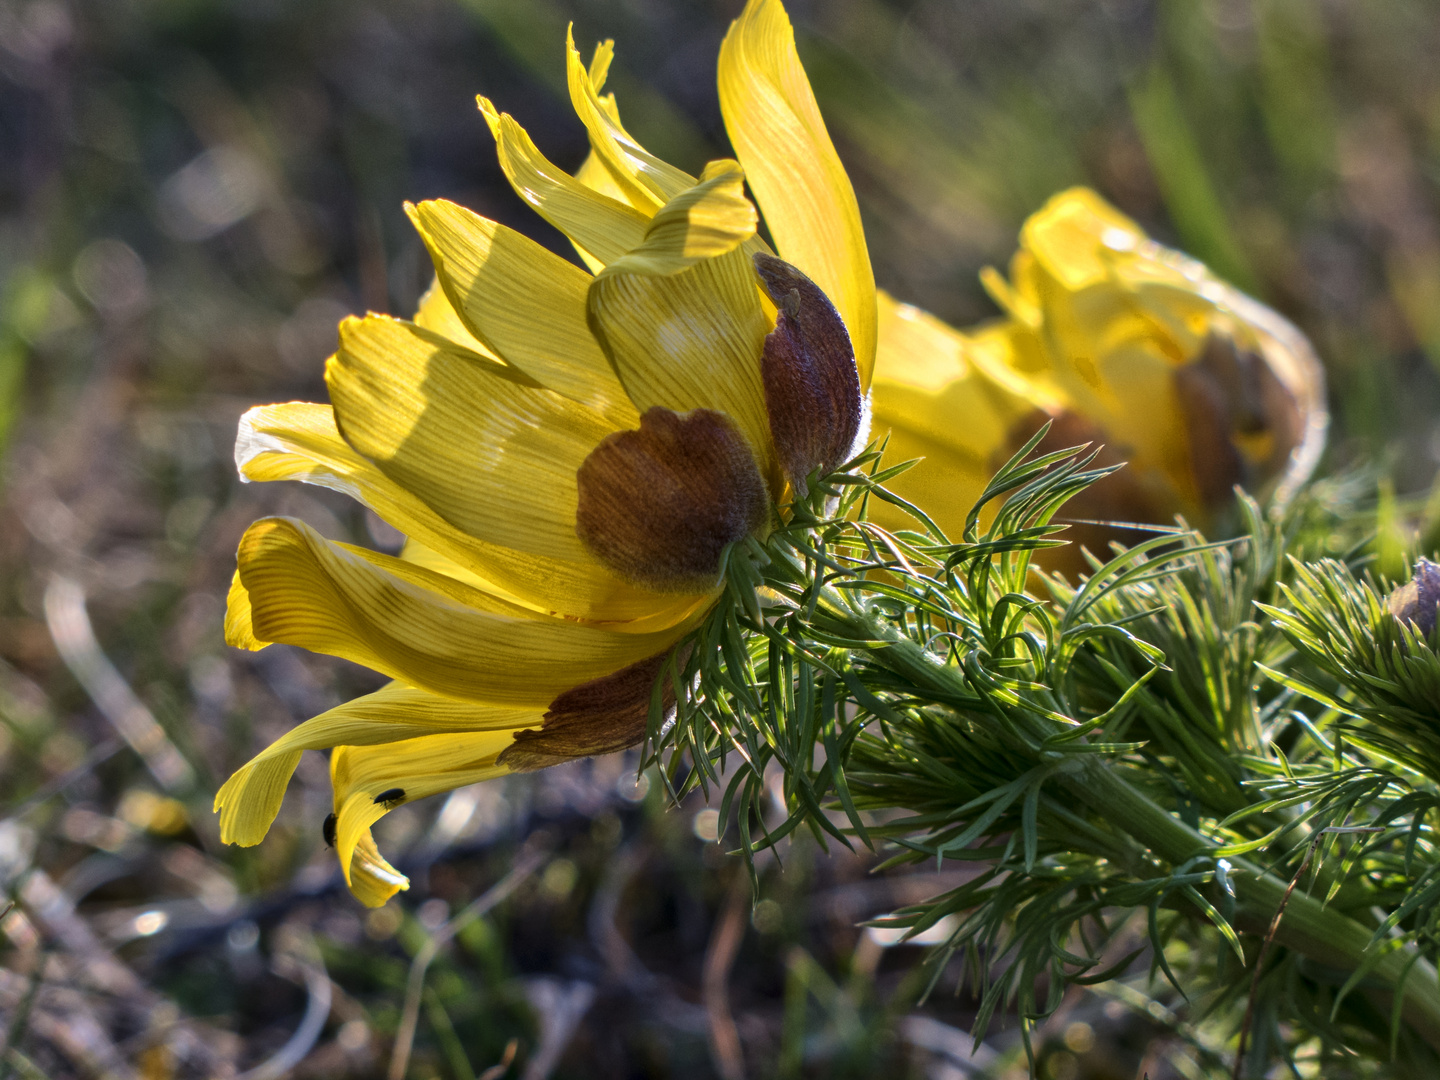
{"x": 1228, "y": 394}
{"x": 659, "y": 505}
{"x": 598, "y": 717}
{"x": 812, "y": 388}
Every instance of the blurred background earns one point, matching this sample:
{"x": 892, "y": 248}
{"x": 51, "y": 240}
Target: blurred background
{"x": 194, "y": 192}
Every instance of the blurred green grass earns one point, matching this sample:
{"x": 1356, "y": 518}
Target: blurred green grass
{"x": 193, "y": 192}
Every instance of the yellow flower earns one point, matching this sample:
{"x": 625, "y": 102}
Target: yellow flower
{"x": 1115, "y": 340}
{"x": 568, "y": 451}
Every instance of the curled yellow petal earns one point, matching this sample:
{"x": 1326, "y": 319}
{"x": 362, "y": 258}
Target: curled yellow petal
{"x": 600, "y": 226}
{"x": 525, "y": 303}
{"x": 707, "y": 220}
{"x": 425, "y": 629}
{"x": 490, "y": 452}
{"x": 809, "y": 206}
{"x": 417, "y": 768}
{"x": 372, "y": 880}
{"x": 250, "y": 799}
{"x": 647, "y": 182}
{"x": 299, "y": 441}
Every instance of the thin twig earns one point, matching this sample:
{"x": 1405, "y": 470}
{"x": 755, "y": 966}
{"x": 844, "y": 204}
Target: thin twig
{"x": 69, "y": 625}
{"x": 1274, "y": 929}
{"x": 15, "y": 1031}
{"x": 719, "y": 959}
{"x": 526, "y": 865}
{"x": 317, "y": 1011}
{"x": 559, "y": 1006}
{"x": 98, "y": 756}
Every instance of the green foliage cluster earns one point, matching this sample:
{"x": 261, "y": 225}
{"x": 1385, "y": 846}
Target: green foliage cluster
{"x": 1141, "y": 769}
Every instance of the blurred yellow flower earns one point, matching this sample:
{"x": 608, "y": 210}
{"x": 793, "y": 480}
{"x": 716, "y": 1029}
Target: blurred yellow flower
{"x": 568, "y": 452}
{"x": 1115, "y": 340}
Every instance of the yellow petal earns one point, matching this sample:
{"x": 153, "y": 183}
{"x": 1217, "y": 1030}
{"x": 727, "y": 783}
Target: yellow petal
{"x": 492, "y": 454}
{"x": 525, "y": 303}
{"x": 945, "y": 483}
{"x": 372, "y": 880}
{"x": 250, "y": 799}
{"x": 809, "y": 206}
{"x": 702, "y": 222}
{"x": 423, "y": 628}
{"x": 239, "y": 621}
{"x": 420, "y": 768}
{"x": 1073, "y": 236}
{"x": 435, "y": 313}
{"x": 600, "y": 226}
{"x": 599, "y": 70}
{"x": 420, "y": 555}
{"x": 928, "y": 375}
{"x": 299, "y": 441}
{"x": 685, "y": 331}
{"x": 647, "y": 182}
{"x": 593, "y": 174}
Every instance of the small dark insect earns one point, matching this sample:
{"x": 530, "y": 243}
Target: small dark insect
{"x": 328, "y": 830}
{"x": 391, "y": 797}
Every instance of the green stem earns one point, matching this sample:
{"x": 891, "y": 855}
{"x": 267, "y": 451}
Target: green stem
{"x": 1310, "y": 928}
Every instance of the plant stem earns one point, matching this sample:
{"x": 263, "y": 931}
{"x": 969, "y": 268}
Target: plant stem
{"x": 1310, "y": 928}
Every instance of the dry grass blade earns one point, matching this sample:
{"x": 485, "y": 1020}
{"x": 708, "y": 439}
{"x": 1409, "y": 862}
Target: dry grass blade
{"x": 317, "y": 1011}
{"x": 560, "y": 1006}
{"x": 69, "y": 625}
{"x": 526, "y": 865}
{"x": 719, "y": 959}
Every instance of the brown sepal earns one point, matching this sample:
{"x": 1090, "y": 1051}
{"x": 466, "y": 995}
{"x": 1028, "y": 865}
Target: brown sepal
{"x": 1415, "y": 601}
{"x": 599, "y": 717}
{"x": 812, "y": 388}
{"x": 659, "y": 505}
{"x": 1225, "y": 392}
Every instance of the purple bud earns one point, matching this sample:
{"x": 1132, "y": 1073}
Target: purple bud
{"x": 1415, "y": 601}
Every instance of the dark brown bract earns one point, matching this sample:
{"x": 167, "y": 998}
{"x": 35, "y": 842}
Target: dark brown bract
{"x": 659, "y": 505}
{"x": 599, "y": 717}
{"x": 1229, "y": 394}
{"x": 812, "y": 388}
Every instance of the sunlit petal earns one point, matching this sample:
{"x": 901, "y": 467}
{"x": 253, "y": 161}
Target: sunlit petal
{"x": 299, "y": 441}
{"x": 525, "y": 303}
{"x": 809, "y": 206}
{"x": 492, "y": 453}
{"x": 647, "y": 182}
{"x": 250, "y": 799}
{"x": 686, "y": 331}
{"x": 600, "y": 225}
{"x": 427, "y": 630}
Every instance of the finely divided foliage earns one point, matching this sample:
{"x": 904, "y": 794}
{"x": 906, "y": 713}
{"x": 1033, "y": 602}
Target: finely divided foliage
{"x": 1120, "y": 761}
